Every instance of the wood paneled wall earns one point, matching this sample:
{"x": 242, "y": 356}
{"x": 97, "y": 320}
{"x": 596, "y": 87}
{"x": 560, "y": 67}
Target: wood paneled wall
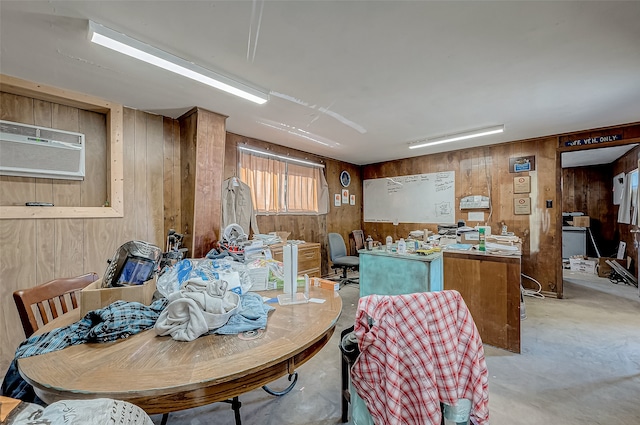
{"x": 311, "y": 228}
{"x": 589, "y": 190}
{"x": 37, "y": 250}
{"x": 202, "y": 144}
{"x": 485, "y": 171}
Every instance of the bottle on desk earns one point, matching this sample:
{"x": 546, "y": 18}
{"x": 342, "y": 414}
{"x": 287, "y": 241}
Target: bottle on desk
{"x": 389, "y": 243}
{"x": 481, "y": 245}
{"x": 402, "y": 246}
{"x": 369, "y": 243}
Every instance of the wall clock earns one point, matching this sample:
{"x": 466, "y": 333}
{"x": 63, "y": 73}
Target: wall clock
{"x": 345, "y": 178}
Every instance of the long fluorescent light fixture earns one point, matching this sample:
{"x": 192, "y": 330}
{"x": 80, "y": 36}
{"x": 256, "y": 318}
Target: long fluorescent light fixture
{"x": 136, "y": 49}
{"x": 458, "y": 136}
{"x": 282, "y": 157}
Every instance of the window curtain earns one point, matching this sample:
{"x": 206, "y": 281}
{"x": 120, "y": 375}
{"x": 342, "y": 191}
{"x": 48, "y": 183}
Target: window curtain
{"x": 281, "y": 187}
{"x": 266, "y": 177}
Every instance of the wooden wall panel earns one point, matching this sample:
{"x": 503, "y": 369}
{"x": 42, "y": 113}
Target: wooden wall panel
{"x": 171, "y": 184}
{"x": 310, "y": 228}
{"x": 38, "y": 250}
{"x": 188, "y": 126}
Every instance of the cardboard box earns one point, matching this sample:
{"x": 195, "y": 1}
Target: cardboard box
{"x": 472, "y": 238}
{"x": 94, "y": 297}
{"x": 581, "y": 221}
{"x": 326, "y": 284}
{"x": 604, "y": 270}
{"x": 583, "y": 265}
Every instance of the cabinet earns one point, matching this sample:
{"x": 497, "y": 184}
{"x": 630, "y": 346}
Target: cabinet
{"x": 490, "y": 286}
{"x": 386, "y": 273}
{"x": 309, "y": 258}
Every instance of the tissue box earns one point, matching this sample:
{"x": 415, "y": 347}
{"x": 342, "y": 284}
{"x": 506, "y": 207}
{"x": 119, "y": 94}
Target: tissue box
{"x": 325, "y": 284}
{"x": 94, "y": 297}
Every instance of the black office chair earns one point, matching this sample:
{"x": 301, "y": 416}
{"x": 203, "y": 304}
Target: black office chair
{"x": 340, "y": 259}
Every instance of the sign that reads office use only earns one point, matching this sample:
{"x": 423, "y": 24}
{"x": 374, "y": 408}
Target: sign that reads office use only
{"x": 593, "y": 140}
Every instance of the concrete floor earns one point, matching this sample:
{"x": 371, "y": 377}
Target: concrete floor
{"x": 580, "y": 364}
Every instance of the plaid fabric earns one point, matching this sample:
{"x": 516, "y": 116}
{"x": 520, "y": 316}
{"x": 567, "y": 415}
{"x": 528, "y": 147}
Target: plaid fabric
{"x": 118, "y": 320}
{"x": 422, "y": 349}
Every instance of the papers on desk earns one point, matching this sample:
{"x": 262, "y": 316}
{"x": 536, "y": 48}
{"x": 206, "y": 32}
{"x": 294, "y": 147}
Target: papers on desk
{"x": 497, "y": 248}
{"x": 458, "y": 246}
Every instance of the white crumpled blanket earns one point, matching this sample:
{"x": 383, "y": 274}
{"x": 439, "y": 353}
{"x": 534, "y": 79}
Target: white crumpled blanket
{"x": 197, "y": 308}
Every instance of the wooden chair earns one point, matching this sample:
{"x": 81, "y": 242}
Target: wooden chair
{"x": 46, "y": 295}
{"x": 356, "y": 241}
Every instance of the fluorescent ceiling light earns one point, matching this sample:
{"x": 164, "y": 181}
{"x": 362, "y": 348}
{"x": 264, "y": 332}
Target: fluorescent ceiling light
{"x": 458, "y": 136}
{"x": 282, "y": 157}
{"x": 126, "y": 45}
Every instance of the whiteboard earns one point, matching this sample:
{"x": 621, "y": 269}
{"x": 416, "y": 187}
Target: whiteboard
{"x": 419, "y": 198}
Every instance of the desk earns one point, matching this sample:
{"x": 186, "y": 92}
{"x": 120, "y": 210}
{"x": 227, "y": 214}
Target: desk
{"x": 490, "y": 286}
{"x": 162, "y": 375}
{"x": 387, "y": 273}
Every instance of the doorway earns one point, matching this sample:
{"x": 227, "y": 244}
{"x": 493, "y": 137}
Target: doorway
{"x": 587, "y": 189}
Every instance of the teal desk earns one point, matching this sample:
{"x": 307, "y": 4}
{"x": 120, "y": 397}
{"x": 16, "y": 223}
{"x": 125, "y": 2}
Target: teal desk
{"x": 385, "y": 273}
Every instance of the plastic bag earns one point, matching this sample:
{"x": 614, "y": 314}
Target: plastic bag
{"x": 234, "y": 273}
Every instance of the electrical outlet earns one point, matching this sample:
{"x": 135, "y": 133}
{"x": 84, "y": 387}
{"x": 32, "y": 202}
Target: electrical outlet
{"x": 549, "y": 203}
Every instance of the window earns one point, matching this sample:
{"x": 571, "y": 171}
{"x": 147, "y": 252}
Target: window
{"x": 280, "y": 186}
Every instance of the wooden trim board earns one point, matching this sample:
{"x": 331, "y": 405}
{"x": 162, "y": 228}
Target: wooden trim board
{"x": 115, "y": 170}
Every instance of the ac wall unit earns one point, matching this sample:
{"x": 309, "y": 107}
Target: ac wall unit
{"x": 31, "y": 151}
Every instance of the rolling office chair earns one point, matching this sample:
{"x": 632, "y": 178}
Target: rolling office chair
{"x": 443, "y": 336}
{"x": 340, "y": 259}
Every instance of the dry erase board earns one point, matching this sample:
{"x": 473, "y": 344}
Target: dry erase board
{"x": 419, "y": 198}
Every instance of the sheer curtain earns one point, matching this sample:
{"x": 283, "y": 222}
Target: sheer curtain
{"x": 280, "y": 187}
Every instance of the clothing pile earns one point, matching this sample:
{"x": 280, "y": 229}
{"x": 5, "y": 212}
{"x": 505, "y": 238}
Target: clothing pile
{"x": 198, "y": 307}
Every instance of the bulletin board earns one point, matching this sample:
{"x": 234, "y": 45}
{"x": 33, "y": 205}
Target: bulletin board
{"x": 418, "y": 198}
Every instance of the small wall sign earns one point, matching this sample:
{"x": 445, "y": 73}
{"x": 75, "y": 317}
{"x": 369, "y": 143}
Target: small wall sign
{"x": 336, "y": 200}
{"x": 522, "y": 184}
{"x": 352, "y": 199}
{"x": 522, "y": 206}
{"x": 594, "y": 140}
{"x": 345, "y": 196}
{"x": 522, "y": 163}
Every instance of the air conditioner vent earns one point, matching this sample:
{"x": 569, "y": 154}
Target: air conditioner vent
{"x": 32, "y": 151}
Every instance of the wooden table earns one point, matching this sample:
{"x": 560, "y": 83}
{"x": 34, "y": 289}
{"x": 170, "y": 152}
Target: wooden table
{"x": 162, "y": 375}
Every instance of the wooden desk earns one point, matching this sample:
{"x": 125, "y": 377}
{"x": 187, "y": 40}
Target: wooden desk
{"x": 490, "y": 286}
{"x": 162, "y": 375}
{"x": 309, "y": 258}
{"x": 389, "y": 273}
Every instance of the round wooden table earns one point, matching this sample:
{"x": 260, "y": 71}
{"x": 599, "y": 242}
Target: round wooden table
{"x": 162, "y": 375}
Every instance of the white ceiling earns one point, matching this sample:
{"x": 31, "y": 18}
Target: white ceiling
{"x": 594, "y": 156}
{"x": 352, "y": 80}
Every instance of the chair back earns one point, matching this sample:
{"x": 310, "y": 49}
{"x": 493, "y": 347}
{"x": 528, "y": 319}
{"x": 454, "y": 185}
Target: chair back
{"x": 43, "y": 303}
{"x": 337, "y": 248}
{"x": 357, "y": 240}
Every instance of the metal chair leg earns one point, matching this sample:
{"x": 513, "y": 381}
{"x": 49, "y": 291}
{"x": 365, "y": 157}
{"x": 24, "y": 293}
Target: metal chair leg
{"x": 165, "y": 418}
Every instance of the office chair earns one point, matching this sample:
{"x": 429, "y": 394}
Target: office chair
{"x": 44, "y": 295}
{"x": 439, "y": 333}
{"x": 340, "y": 259}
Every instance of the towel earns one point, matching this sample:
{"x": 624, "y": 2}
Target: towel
{"x": 197, "y": 308}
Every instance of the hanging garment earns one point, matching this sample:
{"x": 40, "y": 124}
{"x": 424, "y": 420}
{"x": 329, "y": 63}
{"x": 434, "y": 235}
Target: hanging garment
{"x": 416, "y": 351}
{"x": 237, "y": 206}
